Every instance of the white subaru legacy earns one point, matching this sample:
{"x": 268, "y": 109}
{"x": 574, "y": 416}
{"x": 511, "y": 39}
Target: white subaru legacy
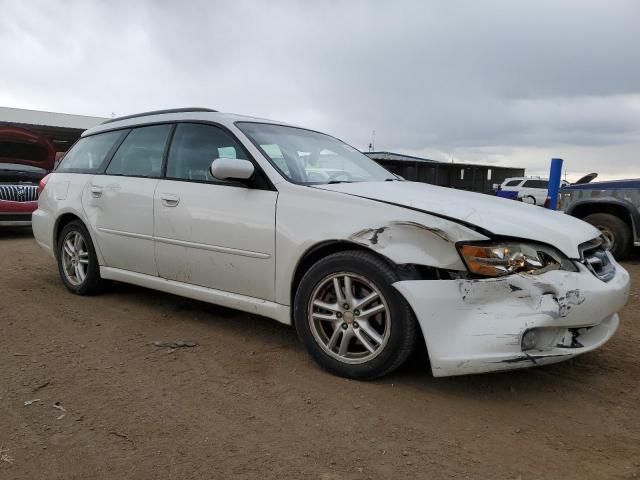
{"x": 296, "y": 225}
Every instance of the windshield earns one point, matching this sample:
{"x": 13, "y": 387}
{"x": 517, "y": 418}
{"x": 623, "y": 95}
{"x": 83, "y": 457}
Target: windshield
{"x": 307, "y": 157}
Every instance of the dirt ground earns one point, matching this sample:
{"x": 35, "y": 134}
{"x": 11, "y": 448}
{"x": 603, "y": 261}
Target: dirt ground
{"x": 247, "y": 402}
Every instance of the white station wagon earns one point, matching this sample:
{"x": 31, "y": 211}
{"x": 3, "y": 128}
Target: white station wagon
{"x": 300, "y": 227}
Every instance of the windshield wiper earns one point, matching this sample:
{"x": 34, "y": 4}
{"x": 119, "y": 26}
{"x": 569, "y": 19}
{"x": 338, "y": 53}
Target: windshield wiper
{"x": 333, "y": 182}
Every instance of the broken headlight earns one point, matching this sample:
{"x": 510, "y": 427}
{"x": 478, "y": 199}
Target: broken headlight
{"x": 504, "y": 258}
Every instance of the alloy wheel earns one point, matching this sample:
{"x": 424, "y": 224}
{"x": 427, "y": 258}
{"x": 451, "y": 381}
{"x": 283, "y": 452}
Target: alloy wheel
{"x": 75, "y": 257}
{"x": 349, "y": 317}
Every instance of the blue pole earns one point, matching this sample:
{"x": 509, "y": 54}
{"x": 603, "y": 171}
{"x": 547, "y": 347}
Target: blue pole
{"x": 555, "y": 176}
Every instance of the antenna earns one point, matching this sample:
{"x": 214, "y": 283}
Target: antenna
{"x": 372, "y": 145}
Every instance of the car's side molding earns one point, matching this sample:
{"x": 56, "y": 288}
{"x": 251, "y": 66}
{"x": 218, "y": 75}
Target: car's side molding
{"x": 213, "y": 248}
{"x": 183, "y": 243}
{"x": 257, "y": 306}
{"x": 125, "y": 234}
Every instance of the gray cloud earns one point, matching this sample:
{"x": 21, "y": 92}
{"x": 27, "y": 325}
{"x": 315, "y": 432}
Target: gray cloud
{"x": 492, "y": 81}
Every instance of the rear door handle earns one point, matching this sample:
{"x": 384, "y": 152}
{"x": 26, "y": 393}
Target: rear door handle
{"x": 169, "y": 200}
{"x": 96, "y": 192}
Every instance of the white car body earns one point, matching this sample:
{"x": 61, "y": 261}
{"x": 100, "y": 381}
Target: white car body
{"x": 243, "y": 248}
{"x": 533, "y": 190}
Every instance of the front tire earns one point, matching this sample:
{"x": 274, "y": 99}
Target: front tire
{"x": 77, "y": 262}
{"x": 351, "y": 319}
{"x": 614, "y": 230}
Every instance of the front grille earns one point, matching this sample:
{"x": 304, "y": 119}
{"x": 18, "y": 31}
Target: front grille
{"x": 596, "y": 258}
{"x": 19, "y": 193}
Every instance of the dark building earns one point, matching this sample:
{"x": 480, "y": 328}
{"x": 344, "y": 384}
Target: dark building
{"x": 464, "y": 176}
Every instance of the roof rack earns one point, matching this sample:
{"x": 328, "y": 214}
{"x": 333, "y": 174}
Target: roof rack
{"x": 158, "y": 112}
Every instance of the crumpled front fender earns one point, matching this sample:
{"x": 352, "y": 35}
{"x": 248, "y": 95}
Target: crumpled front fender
{"x": 429, "y": 243}
{"x": 474, "y": 326}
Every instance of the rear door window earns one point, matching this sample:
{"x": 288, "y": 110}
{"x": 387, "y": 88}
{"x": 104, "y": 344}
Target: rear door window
{"x": 536, "y": 184}
{"x": 512, "y": 183}
{"x": 141, "y": 153}
{"x": 89, "y": 153}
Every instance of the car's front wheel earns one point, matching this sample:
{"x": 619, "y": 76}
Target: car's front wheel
{"x": 77, "y": 261}
{"x": 351, "y": 319}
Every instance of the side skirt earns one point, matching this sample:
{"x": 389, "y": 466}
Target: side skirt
{"x": 258, "y": 306}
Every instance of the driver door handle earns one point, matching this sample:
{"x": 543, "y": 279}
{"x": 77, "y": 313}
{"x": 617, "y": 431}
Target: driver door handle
{"x": 169, "y": 199}
{"x": 96, "y": 192}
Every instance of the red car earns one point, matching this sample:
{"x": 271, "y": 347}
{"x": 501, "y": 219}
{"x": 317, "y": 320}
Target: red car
{"x": 25, "y": 159}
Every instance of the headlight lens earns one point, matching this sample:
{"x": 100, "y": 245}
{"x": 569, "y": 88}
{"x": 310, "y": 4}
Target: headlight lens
{"x": 504, "y": 258}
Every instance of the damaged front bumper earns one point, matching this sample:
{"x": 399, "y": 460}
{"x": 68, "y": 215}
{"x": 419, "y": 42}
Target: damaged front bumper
{"x": 475, "y": 326}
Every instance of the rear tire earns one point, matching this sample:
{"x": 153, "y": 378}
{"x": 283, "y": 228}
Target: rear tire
{"x": 77, "y": 262}
{"x": 615, "y": 230}
{"x": 340, "y": 330}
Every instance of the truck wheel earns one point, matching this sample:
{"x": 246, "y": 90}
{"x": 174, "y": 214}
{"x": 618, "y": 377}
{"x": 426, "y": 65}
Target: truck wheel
{"x": 615, "y": 231}
{"x": 351, "y": 319}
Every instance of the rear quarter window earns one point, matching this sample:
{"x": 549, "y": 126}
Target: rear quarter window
{"x": 88, "y": 155}
{"x": 536, "y": 184}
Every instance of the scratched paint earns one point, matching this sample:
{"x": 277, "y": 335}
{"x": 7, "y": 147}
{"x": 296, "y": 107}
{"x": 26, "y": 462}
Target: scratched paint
{"x": 473, "y": 326}
{"x": 413, "y": 242}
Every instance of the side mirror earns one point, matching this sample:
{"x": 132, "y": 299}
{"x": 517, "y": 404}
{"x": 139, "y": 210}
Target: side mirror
{"x": 232, "y": 169}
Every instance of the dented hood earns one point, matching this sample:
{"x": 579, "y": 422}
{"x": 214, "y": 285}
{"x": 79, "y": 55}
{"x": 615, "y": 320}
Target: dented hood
{"x": 493, "y": 214}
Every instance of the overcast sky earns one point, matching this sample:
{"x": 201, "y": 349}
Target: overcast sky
{"x": 505, "y": 82}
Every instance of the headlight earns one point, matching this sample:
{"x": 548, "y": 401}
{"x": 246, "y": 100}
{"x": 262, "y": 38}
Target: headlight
{"x": 504, "y": 258}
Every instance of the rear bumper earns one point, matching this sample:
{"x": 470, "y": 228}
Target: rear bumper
{"x": 43, "y": 226}
{"x": 14, "y": 219}
{"x": 475, "y": 326}
{"x": 16, "y": 214}
{"x": 7, "y": 207}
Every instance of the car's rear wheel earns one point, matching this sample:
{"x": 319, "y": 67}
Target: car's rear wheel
{"x": 77, "y": 261}
{"x": 614, "y": 230}
{"x": 351, "y": 319}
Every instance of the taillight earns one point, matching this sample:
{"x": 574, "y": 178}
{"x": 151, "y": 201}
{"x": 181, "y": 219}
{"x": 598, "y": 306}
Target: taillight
{"x": 43, "y": 183}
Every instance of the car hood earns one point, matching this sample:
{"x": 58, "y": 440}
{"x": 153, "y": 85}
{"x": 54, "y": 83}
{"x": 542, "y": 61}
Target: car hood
{"x": 496, "y": 215}
{"x": 19, "y": 146}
